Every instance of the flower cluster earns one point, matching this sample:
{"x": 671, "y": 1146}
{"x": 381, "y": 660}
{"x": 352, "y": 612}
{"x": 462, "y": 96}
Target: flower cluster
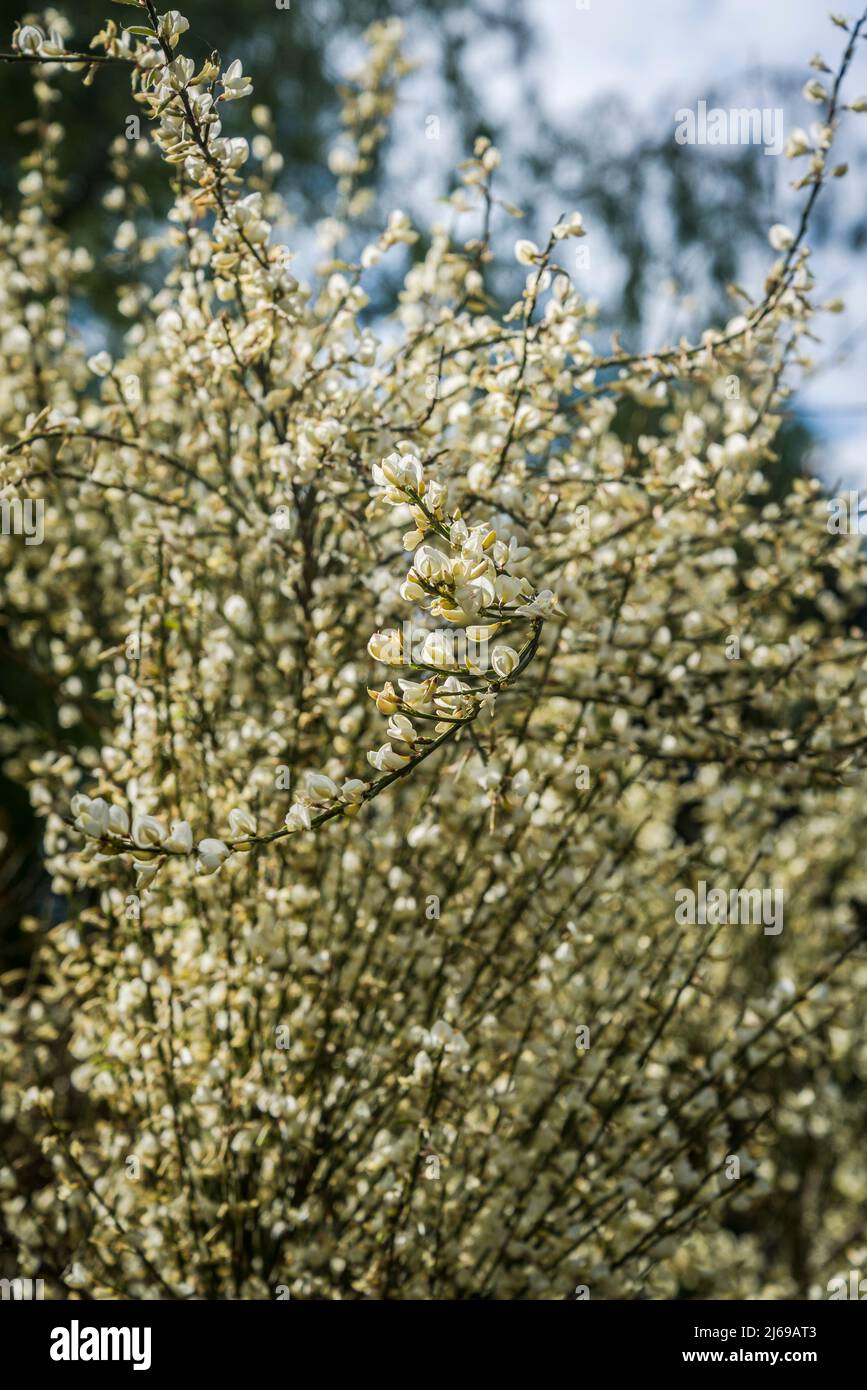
{"x": 463, "y": 575}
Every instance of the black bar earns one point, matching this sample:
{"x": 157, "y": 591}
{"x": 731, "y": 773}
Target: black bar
{"x": 270, "y": 1338}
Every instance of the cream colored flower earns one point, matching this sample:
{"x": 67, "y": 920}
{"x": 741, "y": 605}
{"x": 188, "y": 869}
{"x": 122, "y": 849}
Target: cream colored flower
{"x": 504, "y": 660}
{"x": 386, "y": 759}
{"x": 211, "y": 854}
{"x": 526, "y": 252}
{"x": 780, "y": 237}
{"x": 320, "y": 788}
{"x": 297, "y": 817}
{"x": 235, "y": 84}
{"x": 180, "y": 841}
{"x": 147, "y": 832}
{"x": 241, "y": 823}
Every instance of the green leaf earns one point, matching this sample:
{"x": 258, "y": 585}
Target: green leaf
{"x": 140, "y": 29}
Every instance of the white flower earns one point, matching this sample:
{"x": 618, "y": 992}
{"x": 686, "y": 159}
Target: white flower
{"x": 814, "y": 91}
{"x": 507, "y": 588}
{"x": 516, "y": 553}
{"x": 172, "y": 25}
{"x": 797, "y": 144}
{"x": 504, "y": 660}
{"x": 100, "y": 364}
{"x": 471, "y": 596}
{"x": 401, "y": 728}
{"x": 235, "y": 84}
{"x": 422, "y": 1067}
{"x": 385, "y": 759}
{"x": 451, "y": 686}
{"x": 353, "y": 790}
{"x": 181, "y": 839}
{"x": 526, "y": 252}
{"x": 212, "y": 853}
{"x": 29, "y": 39}
{"x": 573, "y": 225}
{"x": 150, "y": 58}
{"x": 31, "y": 1099}
{"x": 236, "y": 609}
{"x": 234, "y": 152}
{"x": 93, "y": 816}
{"x": 417, "y": 694}
{"x": 399, "y": 471}
{"x": 341, "y": 160}
{"x": 297, "y": 817}
{"x": 520, "y": 784}
{"x": 147, "y": 832}
{"x": 430, "y": 563}
{"x": 118, "y": 821}
{"x": 542, "y": 606}
{"x": 780, "y": 237}
{"x": 412, "y": 591}
{"x": 438, "y": 650}
{"x": 178, "y": 74}
{"x": 53, "y": 46}
{"x": 387, "y": 647}
{"x": 450, "y": 1039}
{"x": 76, "y": 1278}
{"x": 241, "y": 823}
{"x": 320, "y": 788}
{"x": 145, "y": 870}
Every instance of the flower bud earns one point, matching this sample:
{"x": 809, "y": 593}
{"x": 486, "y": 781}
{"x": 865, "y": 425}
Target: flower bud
{"x": 212, "y": 853}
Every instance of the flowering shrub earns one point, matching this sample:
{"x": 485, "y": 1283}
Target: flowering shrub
{"x": 371, "y": 982}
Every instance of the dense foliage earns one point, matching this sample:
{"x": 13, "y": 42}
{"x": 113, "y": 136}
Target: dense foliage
{"x": 372, "y": 981}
